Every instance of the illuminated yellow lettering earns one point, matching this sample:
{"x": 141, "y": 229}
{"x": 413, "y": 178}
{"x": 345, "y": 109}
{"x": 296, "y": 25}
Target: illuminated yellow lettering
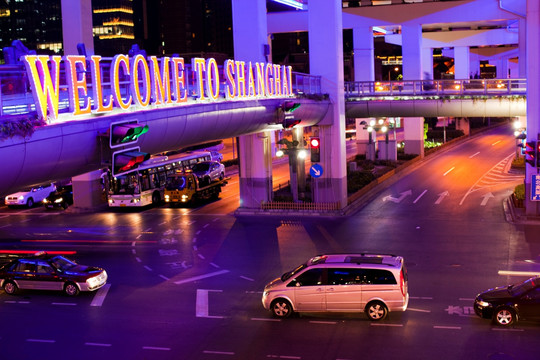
{"x": 260, "y": 89}
{"x": 179, "y": 92}
{"x": 198, "y": 65}
{"x": 269, "y": 79}
{"x": 241, "y": 78}
{"x": 160, "y": 81}
{"x": 99, "y": 104}
{"x": 76, "y": 80}
{"x": 119, "y": 61}
{"x": 212, "y": 79}
{"x": 139, "y": 63}
{"x": 230, "y": 83}
{"x": 44, "y": 88}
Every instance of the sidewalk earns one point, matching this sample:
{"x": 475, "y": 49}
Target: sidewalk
{"x": 517, "y": 215}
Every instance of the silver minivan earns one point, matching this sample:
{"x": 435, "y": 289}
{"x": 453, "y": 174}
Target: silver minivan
{"x": 372, "y": 283}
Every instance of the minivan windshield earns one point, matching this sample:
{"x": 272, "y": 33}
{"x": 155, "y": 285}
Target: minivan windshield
{"x": 291, "y": 273}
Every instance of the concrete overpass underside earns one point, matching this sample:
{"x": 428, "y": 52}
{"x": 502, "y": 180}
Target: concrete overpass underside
{"x": 63, "y": 150}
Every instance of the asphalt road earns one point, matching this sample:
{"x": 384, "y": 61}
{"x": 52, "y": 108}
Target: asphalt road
{"x": 187, "y": 283}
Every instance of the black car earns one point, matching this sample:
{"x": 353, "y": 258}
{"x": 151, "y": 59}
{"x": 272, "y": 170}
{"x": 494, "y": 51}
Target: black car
{"x": 44, "y": 271}
{"x": 61, "y": 198}
{"x": 508, "y": 304}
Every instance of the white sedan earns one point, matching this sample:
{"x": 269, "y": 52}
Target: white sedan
{"x": 30, "y": 197}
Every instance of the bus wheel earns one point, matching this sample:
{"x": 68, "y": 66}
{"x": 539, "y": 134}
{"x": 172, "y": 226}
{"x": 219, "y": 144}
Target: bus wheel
{"x": 156, "y": 198}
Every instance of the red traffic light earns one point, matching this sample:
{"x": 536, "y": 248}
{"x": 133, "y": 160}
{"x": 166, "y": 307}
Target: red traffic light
{"x": 314, "y": 142}
{"x": 531, "y": 153}
{"x": 124, "y": 161}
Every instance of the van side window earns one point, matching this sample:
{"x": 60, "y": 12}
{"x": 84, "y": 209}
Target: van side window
{"x": 311, "y": 277}
{"x": 346, "y": 276}
{"x": 379, "y": 277}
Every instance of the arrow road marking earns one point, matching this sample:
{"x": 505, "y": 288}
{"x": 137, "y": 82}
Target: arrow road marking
{"x": 399, "y": 199}
{"x": 486, "y": 198}
{"x": 441, "y": 197}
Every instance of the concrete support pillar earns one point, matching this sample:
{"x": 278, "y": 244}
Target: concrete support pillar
{"x": 326, "y": 59}
{"x": 502, "y": 68}
{"x": 298, "y": 135}
{"x": 77, "y": 26}
{"x": 533, "y": 94}
{"x": 88, "y": 191}
{"x": 463, "y": 124}
{"x": 413, "y": 132}
{"x": 427, "y": 64}
{"x": 249, "y": 29}
{"x": 250, "y": 37}
{"x": 462, "y": 68}
{"x": 364, "y": 54}
{"x": 411, "y": 39}
{"x": 522, "y": 39}
{"x": 255, "y": 170}
{"x": 474, "y": 65}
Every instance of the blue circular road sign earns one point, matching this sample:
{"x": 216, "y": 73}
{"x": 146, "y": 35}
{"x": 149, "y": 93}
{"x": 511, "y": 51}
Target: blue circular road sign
{"x": 316, "y": 170}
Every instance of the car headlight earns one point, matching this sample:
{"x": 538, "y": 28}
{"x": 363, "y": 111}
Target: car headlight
{"x": 483, "y": 303}
{"x": 59, "y": 200}
{"x": 21, "y": 197}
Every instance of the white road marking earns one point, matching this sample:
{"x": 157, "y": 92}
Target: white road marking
{"x": 214, "y": 265}
{"x": 218, "y": 352}
{"x": 156, "y": 348}
{"x": 64, "y": 304}
{"x": 418, "y": 310}
{"x": 206, "y": 225}
{"x": 447, "y": 327}
{"x": 162, "y": 223}
{"x": 446, "y": 173}
{"x": 41, "y": 341}
{"x": 201, "y": 304}
{"x": 147, "y": 230}
{"x": 282, "y": 357}
{"x": 99, "y": 298}
{"x": 265, "y": 319}
{"x": 418, "y": 198}
{"x": 389, "y": 325}
{"x": 246, "y": 278}
{"x": 97, "y": 344}
{"x": 200, "y": 277}
{"x": 148, "y": 268}
{"x": 506, "y": 329}
{"x": 5, "y": 226}
{"x": 138, "y": 259}
{"x": 495, "y": 143}
{"x": 421, "y": 297}
{"x": 163, "y": 277}
{"x": 486, "y": 198}
{"x": 201, "y": 256}
{"x": 323, "y": 322}
{"x": 441, "y": 197}
{"x": 466, "y": 299}
{"x": 198, "y": 232}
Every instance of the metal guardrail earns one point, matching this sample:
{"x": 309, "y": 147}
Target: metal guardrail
{"x": 304, "y": 206}
{"x": 16, "y": 97}
{"x": 469, "y": 87}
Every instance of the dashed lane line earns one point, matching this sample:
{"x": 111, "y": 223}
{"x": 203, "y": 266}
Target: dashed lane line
{"x": 97, "y": 344}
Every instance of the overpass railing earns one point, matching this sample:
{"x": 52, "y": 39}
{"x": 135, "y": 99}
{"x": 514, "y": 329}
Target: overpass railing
{"x": 469, "y": 87}
{"x": 16, "y": 97}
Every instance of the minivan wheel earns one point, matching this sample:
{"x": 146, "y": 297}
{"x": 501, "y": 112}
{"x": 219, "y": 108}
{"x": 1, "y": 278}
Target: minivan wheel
{"x": 71, "y": 289}
{"x": 376, "y": 310}
{"x": 505, "y": 316}
{"x": 281, "y": 308}
{"x": 10, "y": 287}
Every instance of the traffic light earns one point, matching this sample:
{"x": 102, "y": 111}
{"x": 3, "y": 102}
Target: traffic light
{"x": 126, "y": 160}
{"x": 125, "y": 133}
{"x": 289, "y": 120}
{"x": 531, "y": 153}
{"x": 315, "y": 146}
{"x": 290, "y": 106}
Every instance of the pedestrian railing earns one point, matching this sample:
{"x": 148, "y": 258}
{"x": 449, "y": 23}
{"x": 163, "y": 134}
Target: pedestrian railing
{"x": 468, "y": 87}
{"x": 300, "y": 206}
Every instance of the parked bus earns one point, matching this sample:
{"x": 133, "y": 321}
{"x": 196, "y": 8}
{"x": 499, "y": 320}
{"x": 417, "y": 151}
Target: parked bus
{"x": 146, "y": 184}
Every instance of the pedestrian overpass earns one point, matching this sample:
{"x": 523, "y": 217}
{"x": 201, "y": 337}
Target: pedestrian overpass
{"x": 35, "y": 151}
